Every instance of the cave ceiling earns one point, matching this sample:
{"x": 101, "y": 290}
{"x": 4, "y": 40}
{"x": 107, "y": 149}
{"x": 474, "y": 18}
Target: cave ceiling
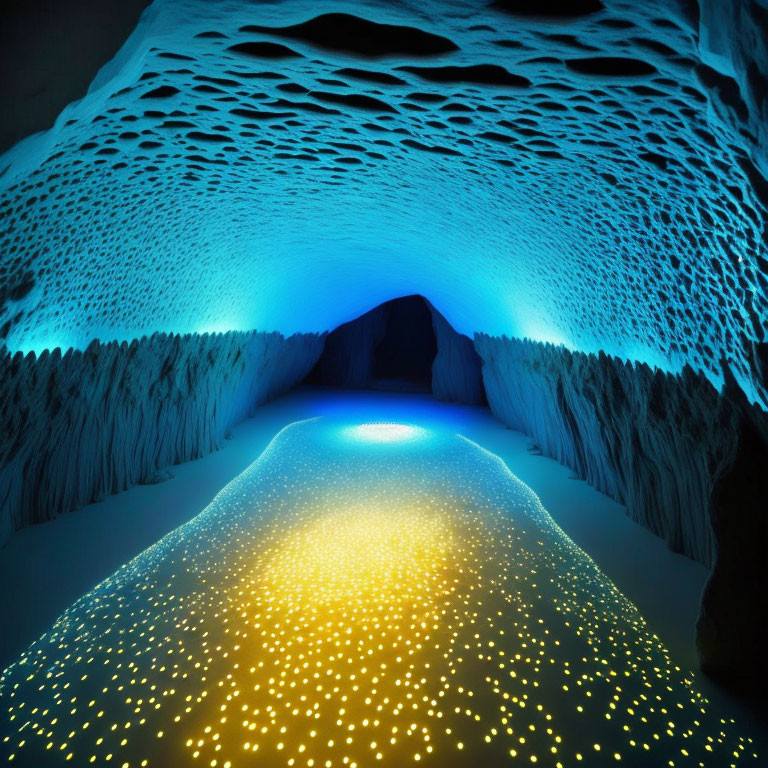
{"x": 589, "y": 173}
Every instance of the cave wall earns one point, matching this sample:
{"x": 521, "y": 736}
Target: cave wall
{"x": 457, "y": 369}
{"x": 77, "y": 427}
{"x": 688, "y": 461}
{"x": 733, "y": 46}
{"x": 352, "y": 350}
{"x": 50, "y": 53}
{"x": 403, "y": 359}
{"x": 347, "y": 360}
{"x": 596, "y": 179}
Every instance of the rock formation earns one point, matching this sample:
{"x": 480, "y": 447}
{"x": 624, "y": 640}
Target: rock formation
{"x": 688, "y": 462}
{"x": 79, "y": 426}
{"x": 351, "y": 352}
{"x": 588, "y": 173}
{"x": 347, "y": 360}
{"x": 456, "y": 369}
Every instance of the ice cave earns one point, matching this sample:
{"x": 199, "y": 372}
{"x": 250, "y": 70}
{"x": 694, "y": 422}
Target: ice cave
{"x": 383, "y": 383}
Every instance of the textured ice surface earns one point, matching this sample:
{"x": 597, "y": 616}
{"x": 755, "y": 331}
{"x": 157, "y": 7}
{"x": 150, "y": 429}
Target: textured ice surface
{"x": 354, "y": 602}
{"x": 78, "y": 427}
{"x": 584, "y": 180}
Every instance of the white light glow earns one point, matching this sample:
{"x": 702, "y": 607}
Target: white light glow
{"x": 384, "y": 432}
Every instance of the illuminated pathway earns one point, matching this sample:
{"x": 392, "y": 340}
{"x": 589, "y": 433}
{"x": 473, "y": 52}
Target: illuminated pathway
{"x": 375, "y": 594}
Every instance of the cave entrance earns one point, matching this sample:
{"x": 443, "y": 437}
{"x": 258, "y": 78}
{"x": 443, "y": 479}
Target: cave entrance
{"x": 402, "y": 345}
{"x": 402, "y": 360}
{"x": 390, "y": 348}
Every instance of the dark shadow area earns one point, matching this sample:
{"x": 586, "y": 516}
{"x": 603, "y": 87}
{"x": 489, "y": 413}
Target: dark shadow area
{"x": 403, "y": 359}
{"x": 403, "y": 345}
{"x": 390, "y": 348}
{"x": 50, "y": 51}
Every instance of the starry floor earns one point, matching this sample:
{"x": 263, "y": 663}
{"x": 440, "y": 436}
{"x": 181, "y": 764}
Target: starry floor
{"x": 363, "y": 594}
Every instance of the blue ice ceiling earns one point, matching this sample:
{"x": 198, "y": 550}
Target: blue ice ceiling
{"x": 594, "y": 180}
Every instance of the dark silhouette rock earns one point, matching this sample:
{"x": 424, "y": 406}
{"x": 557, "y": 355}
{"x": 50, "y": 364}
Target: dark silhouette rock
{"x": 456, "y": 371}
{"x": 402, "y": 345}
{"x": 347, "y": 360}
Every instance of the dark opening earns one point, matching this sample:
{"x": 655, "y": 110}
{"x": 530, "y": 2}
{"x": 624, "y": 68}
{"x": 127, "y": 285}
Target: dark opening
{"x": 403, "y": 345}
{"x": 391, "y": 348}
{"x": 404, "y": 356}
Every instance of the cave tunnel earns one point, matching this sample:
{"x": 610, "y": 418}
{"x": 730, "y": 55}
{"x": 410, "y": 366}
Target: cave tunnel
{"x": 394, "y": 347}
{"x": 384, "y": 383}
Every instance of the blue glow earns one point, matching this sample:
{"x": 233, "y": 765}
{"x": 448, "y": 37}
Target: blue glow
{"x": 604, "y": 211}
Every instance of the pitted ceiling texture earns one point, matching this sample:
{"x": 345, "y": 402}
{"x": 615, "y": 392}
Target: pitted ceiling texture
{"x": 592, "y": 177}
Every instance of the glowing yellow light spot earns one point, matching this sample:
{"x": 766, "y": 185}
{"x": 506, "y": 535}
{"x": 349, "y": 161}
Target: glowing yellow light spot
{"x": 348, "y": 619}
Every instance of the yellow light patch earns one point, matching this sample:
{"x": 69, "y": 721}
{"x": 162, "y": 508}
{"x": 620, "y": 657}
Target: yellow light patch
{"x": 357, "y": 607}
{"x": 360, "y": 555}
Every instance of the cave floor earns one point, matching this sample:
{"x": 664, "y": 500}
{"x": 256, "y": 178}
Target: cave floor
{"x": 46, "y": 568}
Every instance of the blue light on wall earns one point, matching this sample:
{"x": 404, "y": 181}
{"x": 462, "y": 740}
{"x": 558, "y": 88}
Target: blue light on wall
{"x": 566, "y": 182}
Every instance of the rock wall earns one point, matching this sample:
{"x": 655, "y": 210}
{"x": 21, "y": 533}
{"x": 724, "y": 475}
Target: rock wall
{"x": 689, "y": 463}
{"x": 79, "y": 426}
{"x": 602, "y": 185}
{"x": 347, "y": 360}
{"x": 733, "y": 44}
{"x": 41, "y": 74}
{"x": 457, "y": 369}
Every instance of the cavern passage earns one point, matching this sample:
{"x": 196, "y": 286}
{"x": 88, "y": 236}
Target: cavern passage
{"x": 377, "y": 603}
{"x": 553, "y": 212}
